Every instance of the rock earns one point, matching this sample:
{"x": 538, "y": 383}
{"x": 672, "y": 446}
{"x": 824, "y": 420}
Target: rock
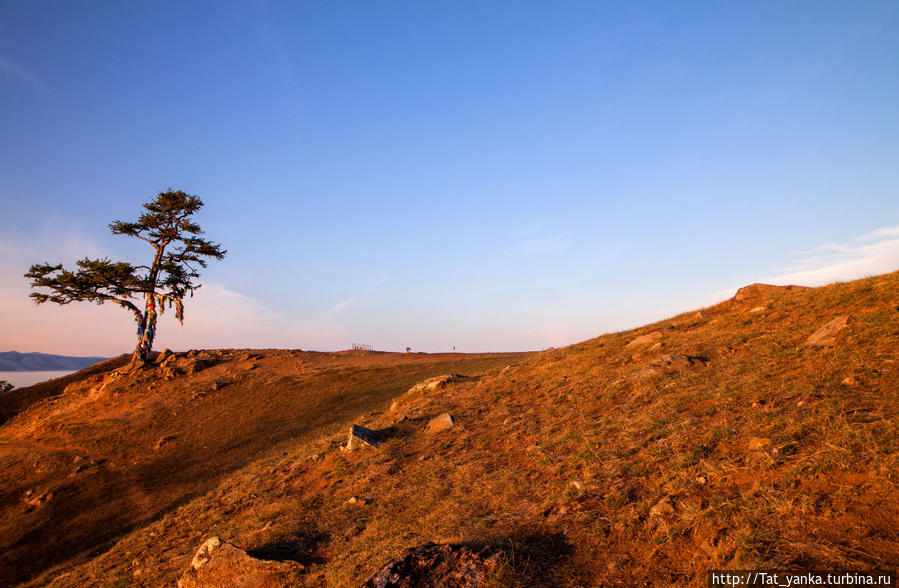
{"x": 662, "y": 508}
{"x": 701, "y": 480}
{"x": 163, "y": 356}
{"x": 429, "y": 385}
{"x": 164, "y": 440}
{"x": 758, "y": 291}
{"x": 360, "y": 436}
{"x": 669, "y": 364}
{"x": 827, "y": 335}
{"x": 643, "y": 339}
{"x": 758, "y": 444}
{"x": 440, "y": 423}
{"x": 850, "y": 381}
{"x": 758, "y": 309}
{"x": 438, "y": 383}
{"x": 700, "y": 314}
{"x": 218, "y": 564}
{"x": 359, "y": 500}
{"x": 437, "y": 566}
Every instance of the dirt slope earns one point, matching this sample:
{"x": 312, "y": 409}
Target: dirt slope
{"x": 721, "y": 438}
{"x": 103, "y": 454}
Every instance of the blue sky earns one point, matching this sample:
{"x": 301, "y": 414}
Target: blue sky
{"x": 489, "y": 176}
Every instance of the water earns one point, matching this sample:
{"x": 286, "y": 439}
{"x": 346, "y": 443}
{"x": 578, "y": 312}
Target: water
{"x": 22, "y": 379}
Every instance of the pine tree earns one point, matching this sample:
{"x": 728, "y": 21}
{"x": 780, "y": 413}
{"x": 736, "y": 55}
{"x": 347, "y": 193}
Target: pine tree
{"x": 166, "y": 225}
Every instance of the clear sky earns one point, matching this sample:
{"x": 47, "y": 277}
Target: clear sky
{"x": 484, "y": 175}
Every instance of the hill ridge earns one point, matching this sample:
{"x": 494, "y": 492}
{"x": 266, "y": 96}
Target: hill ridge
{"x": 763, "y": 453}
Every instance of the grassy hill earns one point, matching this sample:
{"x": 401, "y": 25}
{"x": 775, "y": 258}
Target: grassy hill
{"x": 719, "y": 438}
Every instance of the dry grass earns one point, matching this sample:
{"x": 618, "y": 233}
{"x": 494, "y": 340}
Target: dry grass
{"x": 580, "y": 472}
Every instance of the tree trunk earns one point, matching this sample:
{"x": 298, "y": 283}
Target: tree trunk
{"x": 146, "y": 331}
{"x": 145, "y": 335}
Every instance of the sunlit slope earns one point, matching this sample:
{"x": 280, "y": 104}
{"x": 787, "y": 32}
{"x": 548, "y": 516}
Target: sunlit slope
{"x": 721, "y": 438}
{"x": 110, "y": 454}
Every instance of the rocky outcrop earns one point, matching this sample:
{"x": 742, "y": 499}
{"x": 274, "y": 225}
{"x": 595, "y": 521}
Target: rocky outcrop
{"x": 760, "y": 291}
{"x": 436, "y": 566}
{"x": 218, "y": 564}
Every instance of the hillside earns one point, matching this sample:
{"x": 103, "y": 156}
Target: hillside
{"x": 13, "y": 361}
{"x": 739, "y": 436}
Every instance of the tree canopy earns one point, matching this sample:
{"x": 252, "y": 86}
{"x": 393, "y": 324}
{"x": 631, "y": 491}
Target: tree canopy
{"x": 179, "y": 253}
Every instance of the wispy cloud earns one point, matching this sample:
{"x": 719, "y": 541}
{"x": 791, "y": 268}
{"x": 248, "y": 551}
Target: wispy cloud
{"x": 552, "y": 244}
{"x": 874, "y": 253}
{"x": 20, "y": 72}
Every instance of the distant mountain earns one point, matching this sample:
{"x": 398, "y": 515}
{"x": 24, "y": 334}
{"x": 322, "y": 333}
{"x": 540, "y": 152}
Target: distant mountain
{"x": 13, "y": 361}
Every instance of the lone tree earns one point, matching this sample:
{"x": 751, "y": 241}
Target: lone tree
{"x": 178, "y": 254}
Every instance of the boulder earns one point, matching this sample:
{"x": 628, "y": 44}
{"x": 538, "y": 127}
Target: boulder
{"x": 440, "y": 423}
{"x": 643, "y": 339}
{"x": 361, "y": 436}
{"x": 218, "y": 564}
{"x": 827, "y": 335}
{"x": 437, "y": 566}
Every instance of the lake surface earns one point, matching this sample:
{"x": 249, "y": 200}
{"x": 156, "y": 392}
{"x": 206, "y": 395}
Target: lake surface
{"x": 22, "y": 379}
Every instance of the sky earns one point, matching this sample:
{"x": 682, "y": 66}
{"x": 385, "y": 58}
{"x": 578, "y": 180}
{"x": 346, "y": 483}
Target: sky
{"x": 484, "y": 176}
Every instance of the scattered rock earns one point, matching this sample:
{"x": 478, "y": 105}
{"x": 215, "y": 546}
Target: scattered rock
{"x": 163, "y": 440}
{"x": 758, "y": 444}
{"x": 440, "y": 423}
{"x": 359, "y": 500}
{"x": 36, "y": 501}
{"x": 850, "y": 381}
{"x": 643, "y": 339}
{"x": 669, "y": 364}
{"x": 756, "y": 291}
{"x": 360, "y": 436}
{"x": 218, "y": 564}
{"x": 437, "y": 566}
{"x": 827, "y": 335}
{"x": 662, "y": 508}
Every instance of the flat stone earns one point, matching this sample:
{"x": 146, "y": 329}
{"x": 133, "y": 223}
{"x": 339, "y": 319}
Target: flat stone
{"x": 827, "y": 335}
{"x": 643, "y": 339}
